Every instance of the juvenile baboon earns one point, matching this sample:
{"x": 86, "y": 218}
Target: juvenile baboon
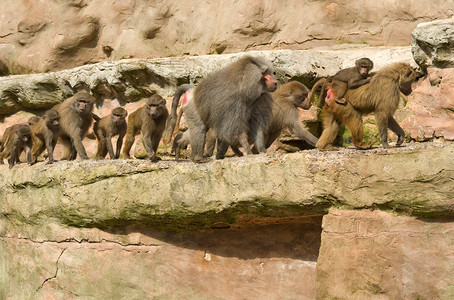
{"x": 224, "y": 102}
{"x": 150, "y": 119}
{"x": 19, "y": 140}
{"x": 108, "y": 127}
{"x": 9, "y": 131}
{"x": 380, "y": 96}
{"x": 350, "y": 78}
{"x": 182, "y": 141}
{"x": 286, "y": 101}
{"x": 75, "y": 119}
{"x": 45, "y": 134}
{"x": 8, "y": 134}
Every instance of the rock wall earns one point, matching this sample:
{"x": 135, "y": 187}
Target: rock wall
{"x": 347, "y": 224}
{"x": 37, "y": 36}
{"x": 240, "y": 228}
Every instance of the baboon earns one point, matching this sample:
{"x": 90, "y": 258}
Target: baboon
{"x": 224, "y": 101}
{"x": 33, "y": 119}
{"x": 350, "y": 78}
{"x": 286, "y": 101}
{"x": 259, "y": 120}
{"x": 150, "y": 119}
{"x": 8, "y": 134}
{"x": 45, "y": 134}
{"x": 9, "y": 131}
{"x": 19, "y": 140}
{"x": 108, "y": 127}
{"x": 182, "y": 141}
{"x": 380, "y": 96}
{"x": 76, "y": 118}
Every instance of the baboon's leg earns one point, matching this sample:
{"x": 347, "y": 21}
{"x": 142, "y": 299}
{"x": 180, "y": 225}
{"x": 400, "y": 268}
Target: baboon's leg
{"x": 355, "y": 125}
{"x": 330, "y": 130}
{"x": 382, "y": 124}
{"x": 394, "y": 126}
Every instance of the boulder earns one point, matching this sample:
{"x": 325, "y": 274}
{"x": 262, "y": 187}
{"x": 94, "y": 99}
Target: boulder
{"x": 429, "y": 110}
{"x": 432, "y": 44}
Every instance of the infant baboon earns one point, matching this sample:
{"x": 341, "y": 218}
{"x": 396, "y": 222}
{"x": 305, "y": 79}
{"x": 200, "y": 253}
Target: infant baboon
{"x": 350, "y": 78}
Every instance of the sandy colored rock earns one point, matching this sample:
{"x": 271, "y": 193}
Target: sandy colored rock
{"x": 375, "y": 255}
{"x": 432, "y": 43}
{"x": 237, "y": 228}
{"x": 429, "y": 111}
{"x": 51, "y": 35}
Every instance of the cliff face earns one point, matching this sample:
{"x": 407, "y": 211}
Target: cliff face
{"x": 348, "y": 224}
{"x": 48, "y": 35}
{"x": 242, "y": 227}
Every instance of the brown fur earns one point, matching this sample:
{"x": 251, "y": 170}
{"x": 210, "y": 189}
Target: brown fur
{"x": 381, "y": 96}
{"x": 351, "y": 78}
{"x": 18, "y": 141}
{"x": 150, "y": 119}
{"x": 108, "y": 127}
{"x": 286, "y": 101}
{"x": 76, "y": 117}
{"x": 45, "y": 134}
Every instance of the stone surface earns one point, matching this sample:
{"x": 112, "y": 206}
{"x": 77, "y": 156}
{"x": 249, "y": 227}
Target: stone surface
{"x": 375, "y": 255}
{"x": 429, "y": 111}
{"x": 248, "y": 260}
{"x": 130, "y": 80}
{"x": 413, "y": 180}
{"x": 237, "y": 228}
{"x": 432, "y": 44}
{"x": 48, "y": 35}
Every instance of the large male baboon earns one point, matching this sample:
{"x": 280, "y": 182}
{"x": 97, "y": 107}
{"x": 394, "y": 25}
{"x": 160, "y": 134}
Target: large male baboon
{"x": 76, "y": 117}
{"x": 284, "y": 114}
{"x": 224, "y": 101}
{"x": 150, "y": 119}
{"x": 380, "y": 96}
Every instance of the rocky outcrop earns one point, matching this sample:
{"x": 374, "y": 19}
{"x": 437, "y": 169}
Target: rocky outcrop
{"x": 132, "y": 79}
{"x": 229, "y": 229}
{"x": 429, "y": 112}
{"x": 53, "y": 35}
{"x": 432, "y": 44}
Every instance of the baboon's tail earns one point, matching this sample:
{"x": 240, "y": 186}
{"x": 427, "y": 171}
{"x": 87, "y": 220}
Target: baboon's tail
{"x": 172, "y": 119}
{"x": 320, "y": 82}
